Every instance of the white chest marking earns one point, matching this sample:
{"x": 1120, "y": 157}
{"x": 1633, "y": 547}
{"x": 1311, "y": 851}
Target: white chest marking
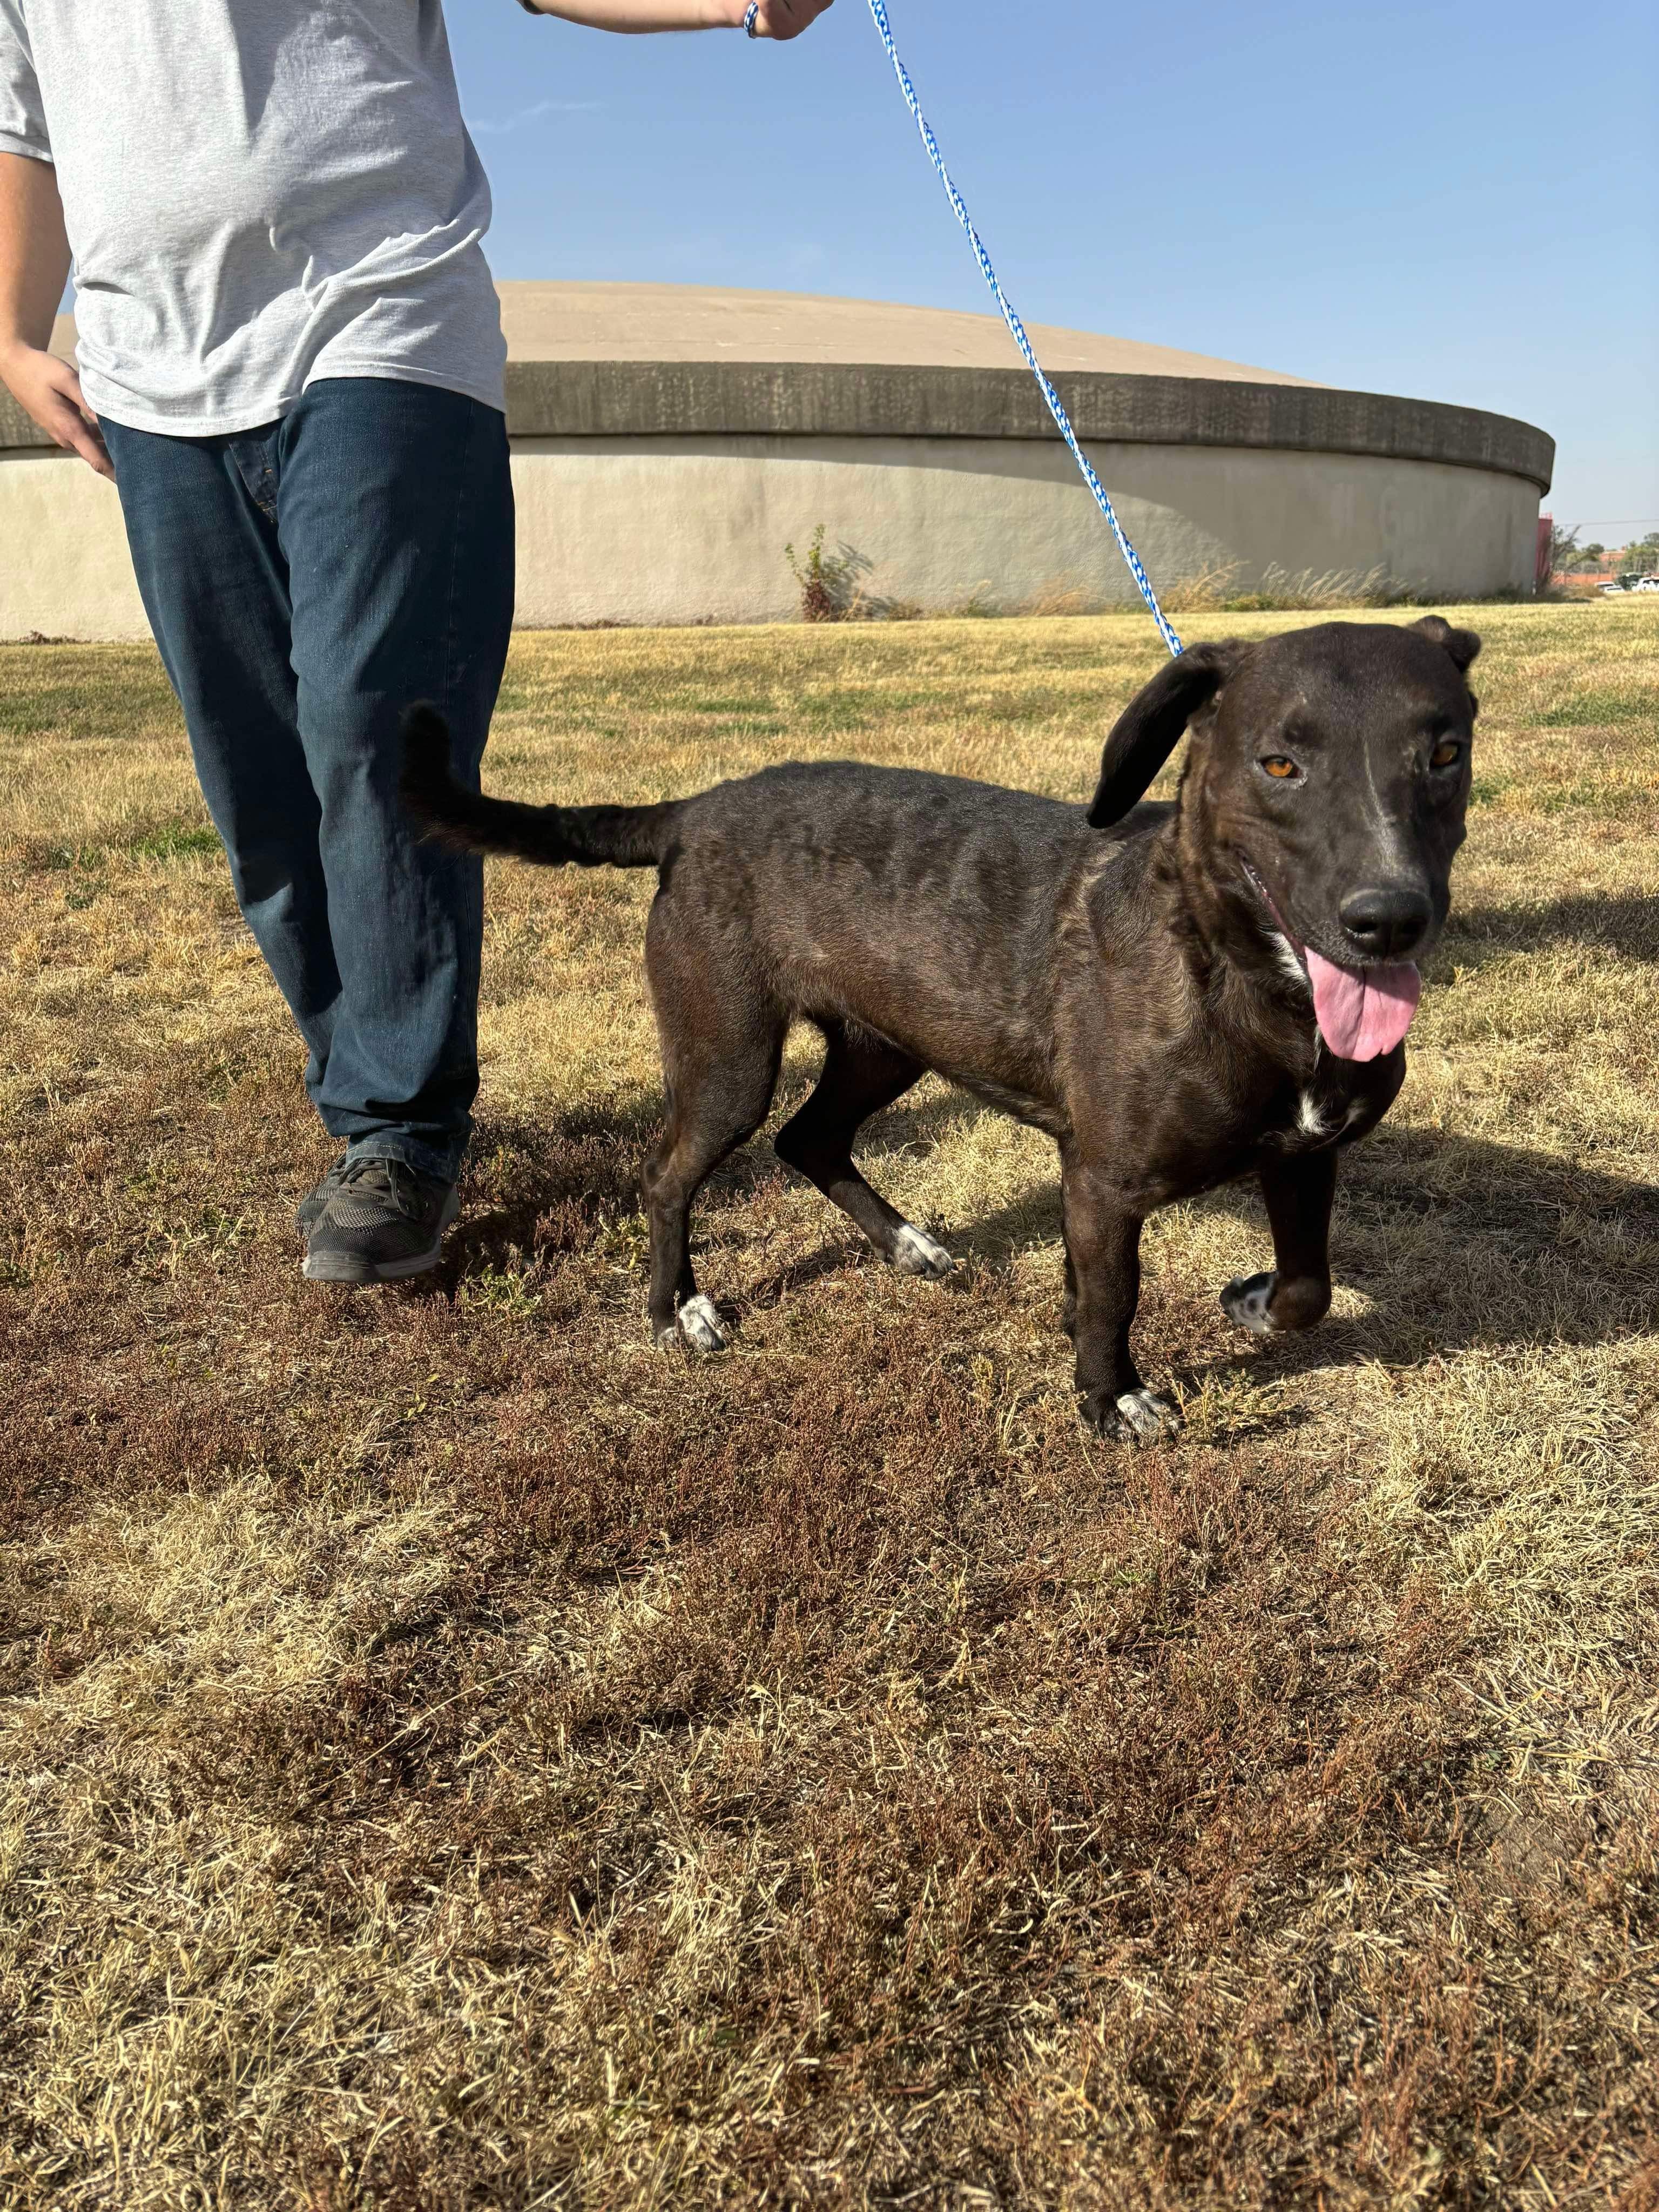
{"x": 1311, "y": 1117}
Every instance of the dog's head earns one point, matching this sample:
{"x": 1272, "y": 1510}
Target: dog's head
{"x": 1325, "y": 790}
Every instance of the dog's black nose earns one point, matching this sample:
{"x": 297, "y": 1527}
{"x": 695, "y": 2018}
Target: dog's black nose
{"x": 1388, "y": 920}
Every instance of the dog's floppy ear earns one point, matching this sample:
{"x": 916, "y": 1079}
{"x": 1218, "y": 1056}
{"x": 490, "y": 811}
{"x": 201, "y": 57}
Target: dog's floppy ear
{"x": 1462, "y": 644}
{"x": 1150, "y": 727}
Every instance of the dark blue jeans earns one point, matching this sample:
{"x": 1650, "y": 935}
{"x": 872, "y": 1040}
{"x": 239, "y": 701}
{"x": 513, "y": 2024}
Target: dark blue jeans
{"x": 305, "y": 582}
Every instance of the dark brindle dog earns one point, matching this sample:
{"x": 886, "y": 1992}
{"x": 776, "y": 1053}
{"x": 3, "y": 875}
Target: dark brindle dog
{"x": 1180, "y": 994}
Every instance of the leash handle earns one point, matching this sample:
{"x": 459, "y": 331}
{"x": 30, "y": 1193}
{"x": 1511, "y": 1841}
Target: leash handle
{"x": 1062, "y": 421}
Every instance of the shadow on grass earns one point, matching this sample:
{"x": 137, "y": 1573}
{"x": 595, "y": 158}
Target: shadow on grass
{"x": 1482, "y": 1244}
{"x": 1460, "y": 1243}
{"x": 1457, "y": 1241}
{"x": 588, "y": 1159}
{"x": 1625, "y": 922}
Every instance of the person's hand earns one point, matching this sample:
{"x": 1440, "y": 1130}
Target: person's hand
{"x": 49, "y": 392}
{"x": 787, "y": 19}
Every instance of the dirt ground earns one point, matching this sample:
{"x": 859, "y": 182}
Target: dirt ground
{"x": 455, "y": 1756}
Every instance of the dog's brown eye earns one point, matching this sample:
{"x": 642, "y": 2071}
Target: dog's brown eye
{"x": 1445, "y": 753}
{"x": 1276, "y": 764}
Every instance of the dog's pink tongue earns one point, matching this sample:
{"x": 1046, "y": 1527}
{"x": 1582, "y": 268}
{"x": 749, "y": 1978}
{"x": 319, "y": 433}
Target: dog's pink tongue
{"x": 1363, "y": 1013}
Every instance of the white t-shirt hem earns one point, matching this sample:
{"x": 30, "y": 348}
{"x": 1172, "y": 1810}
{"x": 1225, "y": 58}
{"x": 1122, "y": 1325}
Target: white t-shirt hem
{"x": 233, "y": 425}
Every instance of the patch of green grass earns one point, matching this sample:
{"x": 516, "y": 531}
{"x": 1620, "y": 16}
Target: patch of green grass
{"x": 82, "y": 690}
{"x": 1536, "y": 796}
{"x": 1600, "y": 707}
{"x": 748, "y": 725}
{"x": 175, "y": 841}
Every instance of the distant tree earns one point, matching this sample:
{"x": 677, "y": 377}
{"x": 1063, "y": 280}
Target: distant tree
{"x": 1594, "y": 552}
{"x": 1563, "y": 544}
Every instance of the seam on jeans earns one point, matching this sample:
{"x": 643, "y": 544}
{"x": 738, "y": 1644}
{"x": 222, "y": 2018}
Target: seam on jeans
{"x": 450, "y": 626}
{"x": 261, "y": 489}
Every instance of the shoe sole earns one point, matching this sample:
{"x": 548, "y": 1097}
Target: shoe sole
{"x": 340, "y": 1267}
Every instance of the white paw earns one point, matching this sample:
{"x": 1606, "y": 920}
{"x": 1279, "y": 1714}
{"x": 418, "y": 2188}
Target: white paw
{"x": 1245, "y": 1301}
{"x": 699, "y": 1326}
{"x": 1146, "y": 1417}
{"x": 915, "y": 1253}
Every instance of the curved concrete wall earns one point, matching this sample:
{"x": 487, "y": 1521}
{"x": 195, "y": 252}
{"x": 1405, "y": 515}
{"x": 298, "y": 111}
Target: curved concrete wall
{"x": 63, "y": 566}
{"x": 665, "y": 492}
{"x": 677, "y": 530}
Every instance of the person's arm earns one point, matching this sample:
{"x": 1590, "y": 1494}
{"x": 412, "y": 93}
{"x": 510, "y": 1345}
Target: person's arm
{"x": 35, "y": 266}
{"x": 774, "y": 19}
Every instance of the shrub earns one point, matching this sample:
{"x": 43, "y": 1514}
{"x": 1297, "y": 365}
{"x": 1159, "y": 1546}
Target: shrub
{"x": 828, "y": 582}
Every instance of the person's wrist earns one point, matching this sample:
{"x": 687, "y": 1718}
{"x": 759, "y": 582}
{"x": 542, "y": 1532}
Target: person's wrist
{"x": 15, "y": 354}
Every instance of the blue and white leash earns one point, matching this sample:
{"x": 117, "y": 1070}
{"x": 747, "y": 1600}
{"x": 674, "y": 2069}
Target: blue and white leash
{"x": 1062, "y": 421}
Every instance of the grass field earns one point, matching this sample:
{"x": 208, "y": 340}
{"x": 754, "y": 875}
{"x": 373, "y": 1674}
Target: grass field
{"x": 455, "y": 1756}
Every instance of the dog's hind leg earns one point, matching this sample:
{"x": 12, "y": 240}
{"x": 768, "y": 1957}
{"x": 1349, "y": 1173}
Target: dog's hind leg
{"x": 713, "y": 1108}
{"x": 721, "y": 1051}
{"x": 861, "y": 1074}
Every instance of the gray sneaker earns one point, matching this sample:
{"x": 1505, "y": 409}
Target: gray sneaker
{"x": 381, "y": 1223}
{"x": 309, "y": 1211}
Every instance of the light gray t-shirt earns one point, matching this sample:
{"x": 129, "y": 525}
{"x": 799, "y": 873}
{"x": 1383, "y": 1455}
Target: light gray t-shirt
{"x": 258, "y": 193}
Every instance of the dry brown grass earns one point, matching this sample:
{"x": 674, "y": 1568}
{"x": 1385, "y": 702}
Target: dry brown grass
{"x": 456, "y": 1758}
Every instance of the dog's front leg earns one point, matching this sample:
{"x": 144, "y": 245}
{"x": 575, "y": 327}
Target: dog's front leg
{"x": 1297, "y": 1293}
{"x": 1103, "y": 1286}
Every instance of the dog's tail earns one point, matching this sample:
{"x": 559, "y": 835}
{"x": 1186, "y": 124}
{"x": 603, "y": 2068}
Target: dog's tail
{"x": 556, "y": 836}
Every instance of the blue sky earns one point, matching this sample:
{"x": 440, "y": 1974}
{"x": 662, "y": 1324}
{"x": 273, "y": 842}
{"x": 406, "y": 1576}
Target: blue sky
{"x": 1461, "y": 204}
